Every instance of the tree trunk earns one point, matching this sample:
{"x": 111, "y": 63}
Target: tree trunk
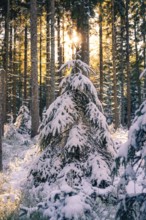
{"x": 144, "y": 37}
{"x": 19, "y": 73}
{"x": 20, "y": 59}
{"x": 63, "y": 40}
{"x": 14, "y": 72}
{"x": 128, "y": 67}
{"x": 100, "y": 52}
{"x": 116, "y": 115}
{"x": 6, "y": 60}
{"x": 122, "y": 72}
{"x": 40, "y": 67}
{"x": 34, "y": 69}
{"x": 85, "y": 41}
{"x": 59, "y": 53}
{"x": 59, "y": 49}
{"x": 25, "y": 63}
{"x": 2, "y": 74}
{"x": 1, "y": 47}
{"x": 9, "y": 77}
{"x": 137, "y": 64}
{"x": 52, "y": 67}
{"x": 83, "y": 29}
{"x": 48, "y": 88}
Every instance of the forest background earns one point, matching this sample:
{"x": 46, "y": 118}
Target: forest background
{"x": 37, "y": 37}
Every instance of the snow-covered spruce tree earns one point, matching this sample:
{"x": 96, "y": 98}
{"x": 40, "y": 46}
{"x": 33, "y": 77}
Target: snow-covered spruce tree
{"x": 133, "y": 155}
{"x": 10, "y": 131}
{"x": 23, "y": 120}
{"x": 77, "y": 151}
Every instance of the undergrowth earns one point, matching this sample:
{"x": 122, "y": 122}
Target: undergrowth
{"x": 9, "y": 200}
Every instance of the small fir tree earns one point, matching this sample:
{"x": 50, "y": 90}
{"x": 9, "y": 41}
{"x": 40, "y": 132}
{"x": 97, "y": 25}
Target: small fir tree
{"x": 23, "y": 120}
{"x": 133, "y": 155}
{"x": 77, "y": 150}
{"x": 10, "y": 132}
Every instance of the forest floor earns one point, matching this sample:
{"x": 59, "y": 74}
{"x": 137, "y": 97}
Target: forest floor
{"x": 18, "y": 155}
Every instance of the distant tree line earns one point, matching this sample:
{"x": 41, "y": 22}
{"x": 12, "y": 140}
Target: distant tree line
{"x": 33, "y": 47}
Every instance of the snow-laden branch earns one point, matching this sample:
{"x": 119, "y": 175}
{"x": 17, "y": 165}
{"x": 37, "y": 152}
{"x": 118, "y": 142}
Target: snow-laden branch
{"x": 142, "y": 74}
{"x": 85, "y": 69}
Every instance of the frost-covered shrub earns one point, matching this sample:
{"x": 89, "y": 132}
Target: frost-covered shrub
{"x": 77, "y": 152}
{"x": 12, "y": 136}
{"x": 9, "y": 202}
{"x": 133, "y": 155}
{"x": 132, "y": 207}
{"x": 9, "y": 131}
{"x": 23, "y": 120}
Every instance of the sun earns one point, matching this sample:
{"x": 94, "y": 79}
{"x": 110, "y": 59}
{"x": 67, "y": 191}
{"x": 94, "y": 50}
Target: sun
{"x": 72, "y": 41}
{"x": 75, "y": 38}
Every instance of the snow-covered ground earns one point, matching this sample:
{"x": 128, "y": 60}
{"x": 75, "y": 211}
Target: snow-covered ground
{"x": 133, "y": 187}
{"x": 18, "y": 155}
{"x": 119, "y": 136}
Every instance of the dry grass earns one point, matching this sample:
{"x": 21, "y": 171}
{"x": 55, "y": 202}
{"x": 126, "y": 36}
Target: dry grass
{"x": 9, "y": 200}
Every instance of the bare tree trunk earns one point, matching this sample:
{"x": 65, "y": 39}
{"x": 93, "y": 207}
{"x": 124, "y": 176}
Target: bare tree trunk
{"x": 144, "y": 51}
{"x": 20, "y": 63}
{"x": 85, "y": 41}
{"x": 144, "y": 38}
{"x": 59, "y": 53}
{"x": 100, "y": 52}
{"x": 83, "y": 29}
{"x": 137, "y": 64}
{"x": 9, "y": 76}
{"x": 14, "y": 72}
{"x": 122, "y": 73}
{"x": 63, "y": 40}
{"x": 6, "y": 59}
{"x": 25, "y": 63}
{"x": 19, "y": 73}
{"x": 59, "y": 49}
{"x": 128, "y": 67}
{"x": 34, "y": 69}
{"x": 2, "y": 73}
{"x": 48, "y": 88}
{"x": 1, "y": 47}
{"x": 40, "y": 67}
{"x": 52, "y": 67}
{"x": 116, "y": 115}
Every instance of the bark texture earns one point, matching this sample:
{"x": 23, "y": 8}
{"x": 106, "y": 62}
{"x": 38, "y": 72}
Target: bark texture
{"x": 116, "y": 115}
{"x": 2, "y": 73}
{"x": 34, "y": 69}
{"x": 128, "y": 67}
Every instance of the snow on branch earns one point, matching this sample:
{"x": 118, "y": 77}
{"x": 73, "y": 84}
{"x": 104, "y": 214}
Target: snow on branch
{"x": 60, "y": 115}
{"x": 80, "y": 82}
{"x": 142, "y": 74}
{"x": 77, "y": 65}
{"x": 77, "y": 141}
{"x": 95, "y": 116}
{"x": 77, "y": 151}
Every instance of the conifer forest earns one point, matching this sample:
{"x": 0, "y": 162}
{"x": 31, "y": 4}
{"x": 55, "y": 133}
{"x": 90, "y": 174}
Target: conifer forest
{"x": 72, "y": 109}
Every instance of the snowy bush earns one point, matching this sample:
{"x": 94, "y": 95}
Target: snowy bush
{"x": 132, "y": 207}
{"x": 11, "y": 134}
{"x": 20, "y": 130}
{"x": 10, "y": 131}
{"x": 77, "y": 152}
{"x": 133, "y": 152}
{"x": 9, "y": 202}
{"x": 23, "y": 120}
{"x": 133, "y": 155}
